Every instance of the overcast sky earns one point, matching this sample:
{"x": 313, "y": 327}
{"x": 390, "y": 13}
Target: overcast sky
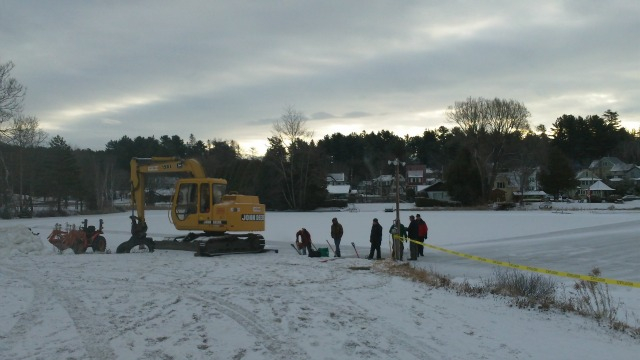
{"x": 226, "y": 70}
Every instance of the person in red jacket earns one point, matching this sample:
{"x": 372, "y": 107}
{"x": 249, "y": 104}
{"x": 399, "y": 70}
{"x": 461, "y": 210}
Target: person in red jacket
{"x": 423, "y": 230}
{"x": 303, "y": 240}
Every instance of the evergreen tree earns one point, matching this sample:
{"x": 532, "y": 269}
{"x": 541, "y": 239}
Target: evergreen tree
{"x": 62, "y": 171}
{"x": 462, "y": 179}
{"x": 557, "y": 174}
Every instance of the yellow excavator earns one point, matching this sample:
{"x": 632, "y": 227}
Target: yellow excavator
{"x": 200, "y": 205}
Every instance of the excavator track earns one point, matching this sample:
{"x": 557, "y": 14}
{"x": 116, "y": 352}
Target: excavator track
{"x": 214, "y": 245}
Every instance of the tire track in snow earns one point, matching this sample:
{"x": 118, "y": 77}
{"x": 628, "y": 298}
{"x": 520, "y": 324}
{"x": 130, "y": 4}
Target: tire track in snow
{"x": 272, "y": 339}
{"x": 27, "y": 320}
{"x": 91, "y": 330}
{"x": 392, "y": 334}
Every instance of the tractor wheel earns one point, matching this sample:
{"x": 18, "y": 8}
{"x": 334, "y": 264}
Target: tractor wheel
{"x": 99, "y": 244}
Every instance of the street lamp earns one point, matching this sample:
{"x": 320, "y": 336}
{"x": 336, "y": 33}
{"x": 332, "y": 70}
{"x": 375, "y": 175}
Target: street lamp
{"x": 397, "y": 249}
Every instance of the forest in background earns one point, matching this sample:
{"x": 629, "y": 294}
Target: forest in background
{"x": 487, "y": 136}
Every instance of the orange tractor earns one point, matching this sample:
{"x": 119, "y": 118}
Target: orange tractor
{"x": 79, "y": 240}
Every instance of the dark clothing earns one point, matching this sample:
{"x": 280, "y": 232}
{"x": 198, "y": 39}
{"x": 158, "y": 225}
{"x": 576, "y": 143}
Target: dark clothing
{"x": 336, "y": 235}
{"x": 403, "y": 230}
{"x": 412, "y": 232}
{"x": 376, "y": 240}
{"x": 304, "y": 242}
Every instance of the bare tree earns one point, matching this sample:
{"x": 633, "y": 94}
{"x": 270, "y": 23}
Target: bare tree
{"x": 291, "y": 127}
{"x": 24, "y": 132}
{"x": 487, "y": 125}
{"x": 291, "y": 131}
{"x": 11, "y": 93}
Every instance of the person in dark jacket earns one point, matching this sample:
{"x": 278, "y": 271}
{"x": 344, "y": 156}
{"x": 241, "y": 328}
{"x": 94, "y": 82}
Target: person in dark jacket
{"x": 375, "y": 239}
{"x": 303, "y": 240}
{"x": 336, "y": 235}
{"x": 412, "y": 233}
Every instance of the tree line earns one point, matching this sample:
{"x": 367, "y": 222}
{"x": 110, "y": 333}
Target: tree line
{"x": 487, "y": 136}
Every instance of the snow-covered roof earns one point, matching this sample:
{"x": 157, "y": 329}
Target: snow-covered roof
{"x": 600, "y": 186}
{"x": 415, "y": 173}
{"x": 385, "y": 178}
{"x": 338, "y": 189}
{"x": 621, "y": 167}
{"x": 532, "y": 193}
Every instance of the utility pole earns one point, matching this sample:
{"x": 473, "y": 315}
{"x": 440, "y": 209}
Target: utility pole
{"x": 397, "y": 248}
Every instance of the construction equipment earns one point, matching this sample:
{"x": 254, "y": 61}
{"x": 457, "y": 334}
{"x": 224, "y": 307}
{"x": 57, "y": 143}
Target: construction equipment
{"x": 80, "y": 239}
{"x": 198, "y": 204}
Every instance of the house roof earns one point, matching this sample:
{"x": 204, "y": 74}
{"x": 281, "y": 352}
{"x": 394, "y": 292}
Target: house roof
{"x": 532, "y": 193}
{"x": 511, "y": 178}
{"x": 338, "y": 189}
{"x": 335, "y": 177}
{"x": 600, "y": 186}
{"x": 607, "y": 159}
{"x": 595, "y": 178}
{"x": 383, "y": 178}
{"x": 438, "y": 186}
{"x": 622, "y": 167}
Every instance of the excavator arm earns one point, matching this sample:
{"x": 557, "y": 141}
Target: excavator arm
{"x": 140, "y": 167}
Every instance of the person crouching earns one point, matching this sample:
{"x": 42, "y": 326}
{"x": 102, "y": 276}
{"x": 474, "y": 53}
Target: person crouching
{"x": 303, "y": 240}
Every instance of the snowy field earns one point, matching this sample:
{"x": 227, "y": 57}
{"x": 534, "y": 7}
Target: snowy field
{"x": 172, "y": 305}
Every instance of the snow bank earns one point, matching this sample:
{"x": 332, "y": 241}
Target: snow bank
{"x": 18, "y": 239}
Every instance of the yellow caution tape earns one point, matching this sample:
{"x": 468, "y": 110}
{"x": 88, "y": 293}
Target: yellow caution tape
{"x": 527, "y": 268}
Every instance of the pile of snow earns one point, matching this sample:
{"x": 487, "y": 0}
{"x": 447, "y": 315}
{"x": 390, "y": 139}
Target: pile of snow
{"x": 19, "y": 239}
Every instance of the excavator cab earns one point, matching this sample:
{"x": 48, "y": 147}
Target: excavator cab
{"x": 202, "y": 204}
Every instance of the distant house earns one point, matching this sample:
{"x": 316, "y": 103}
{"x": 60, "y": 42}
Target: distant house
{"x": 602, "y": 167}
{"x": 531, "y": 196}
{"x": 620, "y": 172}
{"x": 415, "y": 175}
{"x": 366, "y": 187}
{"x": 419, "y": 175}
{"x": 505, "y": 184}
{"x": 336, "y": 179}
{"x": 338, "y": 191}
{"x": 585, "y": 178}
{"x": 599, "y": 189}
{"x": 386, "y": 184}
{"x": 508, "y": 186}
{"x": 437, "y": 191}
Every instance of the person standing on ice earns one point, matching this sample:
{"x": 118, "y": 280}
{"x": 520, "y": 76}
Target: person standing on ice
{"x": 303, "y": 240}
{"x": 423, "y": 229}
{"x": 336, "y": 235}
{"x": 375, "y": 239}
{"x": 412, "y": 232}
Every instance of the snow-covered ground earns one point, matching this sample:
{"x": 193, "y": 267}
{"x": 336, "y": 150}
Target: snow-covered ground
{"x": 172, "y": 305}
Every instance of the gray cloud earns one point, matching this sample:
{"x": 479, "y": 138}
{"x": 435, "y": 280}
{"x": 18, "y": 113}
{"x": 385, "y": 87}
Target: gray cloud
{"x": 96, "y": 71}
